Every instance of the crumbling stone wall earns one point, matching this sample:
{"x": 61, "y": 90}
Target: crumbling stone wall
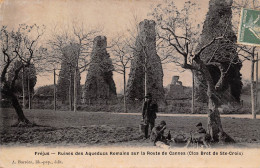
{"x": 145, "y": 47}
{"x": 99, "y": 83}
{"x": 218, "y": 23}
{"x": 68, "y": 65}
{"x": 176, "y": 90}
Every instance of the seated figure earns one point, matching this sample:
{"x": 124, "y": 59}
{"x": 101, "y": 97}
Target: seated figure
{"x": 157, "y": 133}
{"x": 200, "y": 136}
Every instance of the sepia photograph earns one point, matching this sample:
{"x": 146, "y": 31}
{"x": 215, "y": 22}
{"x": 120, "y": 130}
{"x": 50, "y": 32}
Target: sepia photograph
{"x": 129, "y": 83}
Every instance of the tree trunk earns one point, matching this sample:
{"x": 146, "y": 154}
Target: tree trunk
{"x": 256, "y": 87}
{"x": 252, "y": 87}
{"x": 70, "y": 91}
{"x": 54, "y": 89}
{"x": 125, "y": 108}
{"x": 214, "y": 126}
{"x": 23, "y": 85}
{"x": 75, "y": 90}
{"x": 145, "y": 76}
{"x": 192, "y": 95}
{"x": 29, "y": 92}
{"x": 215, "y": 129}
{"x": 18, "y": 109}
{"x": 214, "y": 122}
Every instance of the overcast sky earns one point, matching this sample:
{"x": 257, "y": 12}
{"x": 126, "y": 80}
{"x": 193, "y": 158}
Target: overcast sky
{"x": 113, "y": 15}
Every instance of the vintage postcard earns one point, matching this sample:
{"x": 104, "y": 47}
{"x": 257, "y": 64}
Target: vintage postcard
{"x": 129, "y": 83}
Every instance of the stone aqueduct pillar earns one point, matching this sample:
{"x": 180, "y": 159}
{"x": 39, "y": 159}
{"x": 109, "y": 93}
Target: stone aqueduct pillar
{"x": 145, "y": 49}
{"x": 99, "y": 83}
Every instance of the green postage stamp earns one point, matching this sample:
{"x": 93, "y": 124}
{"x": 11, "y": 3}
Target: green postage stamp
{"x": 249, "y": 28}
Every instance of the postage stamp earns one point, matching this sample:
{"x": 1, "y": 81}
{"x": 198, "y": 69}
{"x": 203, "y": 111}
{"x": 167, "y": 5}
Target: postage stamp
{"x": 249, "y": 28}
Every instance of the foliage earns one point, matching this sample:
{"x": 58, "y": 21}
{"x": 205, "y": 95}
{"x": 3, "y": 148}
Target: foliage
{"x": 99, "y": 81}
{"x": 67, "y": 73}
{"x": 29, "y": 75}
{"x": 146, "y": 73}
{"x": 45, "y": 90}
{"x": 217, "y": 23}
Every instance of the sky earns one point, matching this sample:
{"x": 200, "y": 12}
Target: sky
{"x": 114, "y": 16}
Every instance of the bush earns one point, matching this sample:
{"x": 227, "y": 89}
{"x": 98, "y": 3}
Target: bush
{"x": 117, "y": 108}
{"x": 174, "y": 107}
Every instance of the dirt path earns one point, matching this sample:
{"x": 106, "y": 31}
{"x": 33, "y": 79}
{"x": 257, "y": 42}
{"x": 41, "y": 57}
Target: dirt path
{"x": 249, "y": 116}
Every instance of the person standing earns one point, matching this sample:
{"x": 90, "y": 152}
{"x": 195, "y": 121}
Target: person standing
{"x": 150, "y": 108}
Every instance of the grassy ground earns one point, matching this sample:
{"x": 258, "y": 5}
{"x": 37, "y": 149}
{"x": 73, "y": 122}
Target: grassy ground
{"x": 84, "y": 128}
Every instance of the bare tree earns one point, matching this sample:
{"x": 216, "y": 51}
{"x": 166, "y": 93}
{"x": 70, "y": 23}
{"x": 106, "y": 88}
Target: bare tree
{"x": 246, "y": 52}
{"x": 19, "y": 45}
{"x": 180, "y": 30}
{"x": 81, "y": 40}
{"x": 250, "y": 53}
{"x": 122, "y": 57}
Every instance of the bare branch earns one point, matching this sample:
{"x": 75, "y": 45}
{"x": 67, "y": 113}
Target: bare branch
{"x": 205, "y": 46}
